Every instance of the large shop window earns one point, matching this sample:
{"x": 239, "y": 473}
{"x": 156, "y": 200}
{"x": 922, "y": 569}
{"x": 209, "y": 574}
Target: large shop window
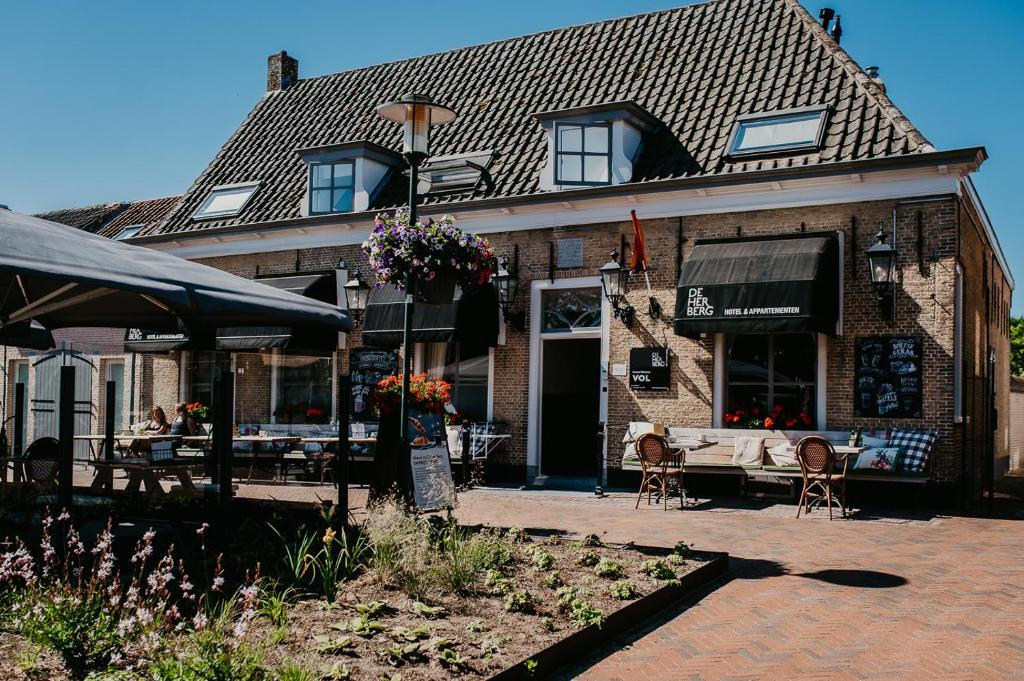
{"x": 466, "y": 366}
{"x": 565, "y": 309}
{"x": 771, "y": 381}
{"x": 304, "y": 389}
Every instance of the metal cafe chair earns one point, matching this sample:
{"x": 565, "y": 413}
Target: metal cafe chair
{"x": 822, "y": 482}
{"x": 658, "y": 463}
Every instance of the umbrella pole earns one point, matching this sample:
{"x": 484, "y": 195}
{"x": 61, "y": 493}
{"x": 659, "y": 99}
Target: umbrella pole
{"x": 66, "y": 435}
{"x": 223, "y": 389}
{"x": 108, "y": 421}
{"x": 341, "y": 454}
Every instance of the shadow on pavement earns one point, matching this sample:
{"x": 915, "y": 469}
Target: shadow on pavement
{"x": 864, "y": 579}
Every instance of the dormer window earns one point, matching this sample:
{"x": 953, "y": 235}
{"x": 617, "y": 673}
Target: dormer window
{"x": 593, "y": 145}
{"x": 128, "y": 232}
{"x": 779, "y": 131}
{"x": 584, "y": 153}
{"x": 346, "y": 177}
{"x": 225, "y": 201}
{"x": 332, "y": 186}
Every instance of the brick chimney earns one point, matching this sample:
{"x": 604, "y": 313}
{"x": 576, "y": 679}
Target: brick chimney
{"x": 282, "y": 71}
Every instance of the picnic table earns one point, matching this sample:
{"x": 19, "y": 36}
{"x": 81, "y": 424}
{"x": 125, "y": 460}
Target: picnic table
{"x": 142, "y": 473}
{"x": 121, "y": 438}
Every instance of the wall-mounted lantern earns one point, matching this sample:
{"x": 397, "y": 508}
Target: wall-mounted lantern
{"x": 614, "y": 280}
{"x": 882, "y": 266}
{"x": 506, "y": 283}
{"x": 357, "y": 294}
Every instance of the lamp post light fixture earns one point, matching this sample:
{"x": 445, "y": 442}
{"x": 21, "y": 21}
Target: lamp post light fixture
{"x": 506, "y": 284}
{"x": 417, "y": 114}
{"x": 357, "y": 294}
{"x": 882, "y": 266}
{"x": 614, "y": 279}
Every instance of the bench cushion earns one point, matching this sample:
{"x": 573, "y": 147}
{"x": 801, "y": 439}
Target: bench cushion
{"x": 915, "y": 446}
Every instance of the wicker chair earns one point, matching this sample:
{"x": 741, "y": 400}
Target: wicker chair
{"x": 42, "y": 463}
{"x": 655, "y": 459}
{"x": 822, "y": 482}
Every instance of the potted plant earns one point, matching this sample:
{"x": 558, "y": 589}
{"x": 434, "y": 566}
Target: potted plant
{"x": 435, "y": 254}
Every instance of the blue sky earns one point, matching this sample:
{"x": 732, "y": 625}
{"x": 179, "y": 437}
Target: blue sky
{"x": 117, "y": 100}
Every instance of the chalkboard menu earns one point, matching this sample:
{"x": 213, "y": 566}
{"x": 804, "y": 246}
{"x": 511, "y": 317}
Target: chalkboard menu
{"x": 367, "y": 367}
{"x": 888, "y": 377}
{"x": 648, "y": 369}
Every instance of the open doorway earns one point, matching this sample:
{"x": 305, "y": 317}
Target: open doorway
{"x": 570, "y": 405}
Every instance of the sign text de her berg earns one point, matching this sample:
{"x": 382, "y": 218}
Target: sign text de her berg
{"x": 697, "y": 304}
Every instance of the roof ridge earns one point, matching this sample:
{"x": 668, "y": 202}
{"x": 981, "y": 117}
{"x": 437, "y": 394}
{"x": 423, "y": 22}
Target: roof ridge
{"x": 669, "y": 10}
{"x": 888, "y": 108}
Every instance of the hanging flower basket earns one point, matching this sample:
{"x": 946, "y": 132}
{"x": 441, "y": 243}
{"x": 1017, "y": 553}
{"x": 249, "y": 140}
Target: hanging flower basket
{"x": 436, "y": 253}
{"x": 426, "y": 393}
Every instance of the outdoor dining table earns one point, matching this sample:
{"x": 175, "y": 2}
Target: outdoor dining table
{"x": 142, "y": 473}
{"x": 121, "y": 439}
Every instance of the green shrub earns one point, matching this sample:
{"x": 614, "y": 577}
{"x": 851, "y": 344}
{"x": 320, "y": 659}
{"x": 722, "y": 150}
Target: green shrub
{"x": 658, "y": 569}
{"x": 517, "y": 534}
{"x": 497, "y": 583}
{"x": 520, "y": 601}
{"x": 541, "y": 558}
{"x": 495, "y": 552}
{"x": 411, "y": 635}
{"x": 371, "y": 608}
{"x": 682, "y": 549}
{"x": 274, "y": 605}
{"x": 296, "y": 555}
{"x": 457, "y": 560}
{"x": 588, "y": 558}
{"x": 84, "y": 632}
{"x": 293, "y": 671}
{"x": 623, "y": 590}
{"x": 611, "y": 569}
{"x": 450, "y": 659}
{"x": 591, "y": 540}
{"x": 553, "y": 579}
{"x": 583, "y": 614}
{"x": 431, "y": 612}
{"x": 208, "y": 656}
{"x": 400, "y": 548}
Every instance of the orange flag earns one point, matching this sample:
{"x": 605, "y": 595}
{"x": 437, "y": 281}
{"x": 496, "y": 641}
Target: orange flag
{"x": 638, "y": 257}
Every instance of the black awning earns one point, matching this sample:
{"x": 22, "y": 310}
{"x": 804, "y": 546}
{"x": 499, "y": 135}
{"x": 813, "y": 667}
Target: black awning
{"x": 319, "y": 286}
{"x": 144, "y": 340}
{"x": 472, "y": 318}
{"x": 28, "y": 335}
{"x": 760, "y": 285}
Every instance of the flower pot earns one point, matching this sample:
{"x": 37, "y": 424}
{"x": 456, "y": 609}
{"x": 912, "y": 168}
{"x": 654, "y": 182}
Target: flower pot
{"x": 438, "y": 291}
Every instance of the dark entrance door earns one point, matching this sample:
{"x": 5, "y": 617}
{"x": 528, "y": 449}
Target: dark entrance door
{"x": 570, "y": 406}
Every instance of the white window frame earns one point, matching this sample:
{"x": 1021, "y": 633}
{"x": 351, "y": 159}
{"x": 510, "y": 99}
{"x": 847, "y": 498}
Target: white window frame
{"x": 537, "y": 338}
{"x": 202, "y": 214}
{"x": 123, "y": 234}
{"x": 781, "y": 116}
{"x": 720, "y": 376}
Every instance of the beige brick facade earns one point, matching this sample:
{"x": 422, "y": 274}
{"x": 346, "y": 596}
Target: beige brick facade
{"x": 950, "y": 235}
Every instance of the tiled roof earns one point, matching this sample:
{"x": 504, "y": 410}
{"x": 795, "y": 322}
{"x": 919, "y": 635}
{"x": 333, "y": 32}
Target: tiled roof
{"x": 148, "y": 213}
{"x": 695, "y": 69}
{"x": 88, "y": 218}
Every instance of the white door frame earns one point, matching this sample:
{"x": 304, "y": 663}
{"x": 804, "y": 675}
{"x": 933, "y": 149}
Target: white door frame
{"x": 533, "y": 432}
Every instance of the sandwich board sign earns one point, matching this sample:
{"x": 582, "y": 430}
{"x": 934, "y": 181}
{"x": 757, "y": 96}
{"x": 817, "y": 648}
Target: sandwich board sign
{"x": 432, "y": 483}
{"x": 648, "y": 369}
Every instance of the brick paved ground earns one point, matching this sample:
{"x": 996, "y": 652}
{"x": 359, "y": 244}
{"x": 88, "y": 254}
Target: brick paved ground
{"x": 934, "y": 597}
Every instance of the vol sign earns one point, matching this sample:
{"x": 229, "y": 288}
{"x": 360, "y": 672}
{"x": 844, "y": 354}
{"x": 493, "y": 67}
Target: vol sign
{"x": 648, "y": 369}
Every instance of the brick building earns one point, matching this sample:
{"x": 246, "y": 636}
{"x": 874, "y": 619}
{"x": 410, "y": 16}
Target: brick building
{"x": 733, "y": 129}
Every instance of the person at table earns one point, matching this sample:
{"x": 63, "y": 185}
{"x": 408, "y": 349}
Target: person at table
{"x": 157, "y": 423}
{"x": 183, "y": 423}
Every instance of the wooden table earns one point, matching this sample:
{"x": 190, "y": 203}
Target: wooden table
{"x": 334, "y": 440}
{"x": 142, "y": 473}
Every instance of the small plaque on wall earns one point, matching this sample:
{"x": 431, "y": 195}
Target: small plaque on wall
{"x": 888, "y": 380}
{"x": 648, "y": 369}
{"x": 570, "y": 254}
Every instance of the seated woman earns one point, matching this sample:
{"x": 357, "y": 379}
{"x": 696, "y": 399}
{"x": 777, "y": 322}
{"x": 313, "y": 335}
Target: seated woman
{"x": 183, "y": 423}
{"x": 157, "y": 423}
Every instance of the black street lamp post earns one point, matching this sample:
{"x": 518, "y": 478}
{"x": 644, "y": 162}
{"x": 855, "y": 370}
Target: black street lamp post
{"x": 614, "y": 279}
{"x": 417, "y": 114}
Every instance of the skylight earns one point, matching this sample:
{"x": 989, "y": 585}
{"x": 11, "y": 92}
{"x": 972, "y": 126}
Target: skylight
{"x": 790, "y": 130}
{"x": 128, "y": 232}
{"x": 226, "y": 201}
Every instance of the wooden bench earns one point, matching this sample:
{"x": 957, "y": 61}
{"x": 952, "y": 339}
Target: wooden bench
{"x": 717, "y": 459}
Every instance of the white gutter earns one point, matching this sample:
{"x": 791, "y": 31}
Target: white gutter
{"x": 972, "y": 193}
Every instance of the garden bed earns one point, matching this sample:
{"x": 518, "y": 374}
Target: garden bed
{"x": 423, "y": 599}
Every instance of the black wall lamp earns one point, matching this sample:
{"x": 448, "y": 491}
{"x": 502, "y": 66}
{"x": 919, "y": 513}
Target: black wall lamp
{"x": 357, "y": 295}
{"x": 882, "y": 266}
{"x": 506, "y": 283}
{"x": 614, "y": 279}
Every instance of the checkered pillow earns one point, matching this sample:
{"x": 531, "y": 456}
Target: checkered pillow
{"x": 915, "y": 446}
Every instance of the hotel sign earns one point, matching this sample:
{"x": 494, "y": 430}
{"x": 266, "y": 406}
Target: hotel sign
{"x": 649, "y": 369}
